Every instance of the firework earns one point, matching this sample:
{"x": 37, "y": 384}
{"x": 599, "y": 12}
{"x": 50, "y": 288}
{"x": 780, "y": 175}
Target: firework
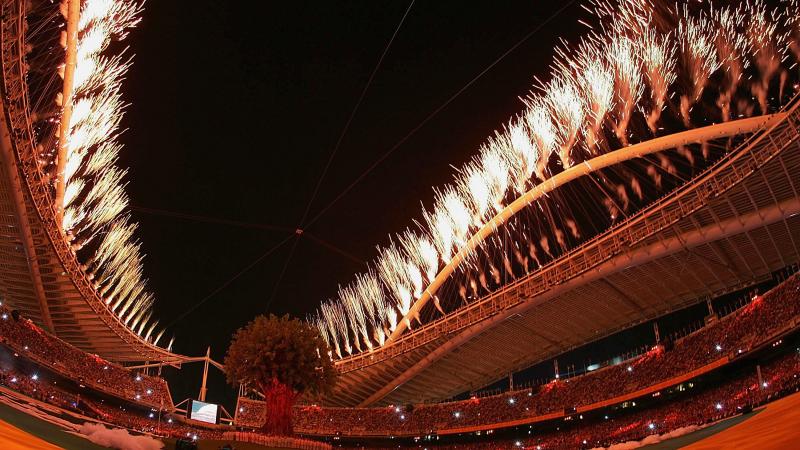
{"x": 393, "y": 271}
{"x": 354, "y": 307}
{"x": 421, "y": 252}
{"x": 628, "y": 83}
{"x": 495, "y": 170}
{"x": 732, "y": 46}
{"x": 567, "y": 110}
{"x": 441, "y": 231}
{"x": 658, "y": 64}
{"x": 696, "y": 37}
{"x": 542, "y": 133}
{"x": 473, "y": 188}
{"x": 762, "y": 35}
{"x": 369, "y": 289}
{"x": 597, "y": 81}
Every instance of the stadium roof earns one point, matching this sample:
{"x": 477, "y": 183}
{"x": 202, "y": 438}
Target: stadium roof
{"x": 728, "y": 228}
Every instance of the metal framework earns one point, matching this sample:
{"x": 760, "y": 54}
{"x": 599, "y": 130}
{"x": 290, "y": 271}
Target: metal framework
{"x": 727, "y": 228}
{"x": 39, "y": 273}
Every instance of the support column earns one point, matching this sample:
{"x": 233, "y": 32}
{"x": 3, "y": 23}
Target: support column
{"x": 15, "y": 181}
{"x": 71, "y": 49}
{"x": 203, "y": 390}
{"x": 760, "y": 378}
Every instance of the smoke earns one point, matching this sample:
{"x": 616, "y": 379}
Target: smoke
{"x": 118, "y": 438}
{"x": 652, "y": 439}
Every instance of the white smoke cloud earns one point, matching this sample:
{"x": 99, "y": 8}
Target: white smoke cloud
{"x": 118, "y": 438}
{"x": 652, "y": 439}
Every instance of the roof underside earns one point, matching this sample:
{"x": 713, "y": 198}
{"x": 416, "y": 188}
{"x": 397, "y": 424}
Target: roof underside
{"x": 729, "y": 241}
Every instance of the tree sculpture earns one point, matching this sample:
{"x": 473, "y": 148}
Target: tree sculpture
{"x": 283, "y": 358}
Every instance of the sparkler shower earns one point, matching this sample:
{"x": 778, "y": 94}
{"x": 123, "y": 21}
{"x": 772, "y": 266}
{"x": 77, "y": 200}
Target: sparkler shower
{"x": 645, "y": 69}
{"x": 81, "y": 150}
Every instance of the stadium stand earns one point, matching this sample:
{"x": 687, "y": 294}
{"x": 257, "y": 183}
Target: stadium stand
{"x": 728, "y": 399}
{"x": 24, "y": 337}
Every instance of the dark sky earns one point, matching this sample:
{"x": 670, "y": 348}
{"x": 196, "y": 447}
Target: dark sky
{"x": 236, "y": 107}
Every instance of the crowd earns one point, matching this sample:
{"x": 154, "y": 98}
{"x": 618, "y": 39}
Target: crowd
{"x": 635, "y": 423}
{"x": 35, "y": 387}
{"x": 735, "y": 334}
{"x": 24, "y": 337}
{"x": 276, "y": 441}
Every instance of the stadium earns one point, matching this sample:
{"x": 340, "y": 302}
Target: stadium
{"x": 612, "y": 264}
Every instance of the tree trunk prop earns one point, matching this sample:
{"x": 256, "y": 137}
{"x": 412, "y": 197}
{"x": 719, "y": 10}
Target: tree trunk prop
{"x": 279, "y": 399}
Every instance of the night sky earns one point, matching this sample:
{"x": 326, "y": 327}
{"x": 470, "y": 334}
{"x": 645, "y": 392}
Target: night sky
{"x": 236, "y": 108}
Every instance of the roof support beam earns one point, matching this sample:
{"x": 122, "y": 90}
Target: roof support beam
{"x": 21, "y": 214}
{"x": 623, "y": 296}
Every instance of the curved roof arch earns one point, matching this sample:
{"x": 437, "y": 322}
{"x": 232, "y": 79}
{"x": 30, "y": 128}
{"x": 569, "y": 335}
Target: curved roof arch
{"x": 721, "y": 130}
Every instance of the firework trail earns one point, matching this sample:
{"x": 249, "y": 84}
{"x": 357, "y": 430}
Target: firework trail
{"x": 732, "y": 46}
{"x": 658, "y": 63}
{"x": 368, "y": 288}
{"x": 696, "y": 37}
{"x": 354, "y": 307}
{"x": 543, "y": 136}
{"x": 473, "y": 188}
{"x": 422, "y": 253}
{"x": 597, "y": 79}
{"x": 762, "y": 34}
{"x": 392, "y": 269}
{"x": 566, "y": 106}
{"x": 573, "y": 228}
{"x": 532, "y": 252}
{"x": 628, "y": 82}
{"x": 793, "y": 24}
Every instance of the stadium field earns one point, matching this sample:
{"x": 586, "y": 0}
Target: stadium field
{"x": 22, "y": 431}
{"x": 771, "y": 427}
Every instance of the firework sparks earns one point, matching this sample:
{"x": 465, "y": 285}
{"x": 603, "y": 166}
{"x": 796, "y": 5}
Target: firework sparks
{"x": 762, "y": 34}
{"x": 597, "y": 80}
{"x": 628, "y": 83}
{"x": 658, "y": 61}
{"x": 392, "y": 268}
{"x": 354, "y": 307}
{"x": 567, "y": 108}
{"x": 697, "y": 38}
{"x": 422, "y": 253}
{"x": 543, "y": 136}
{"x": 731, "y": 47}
